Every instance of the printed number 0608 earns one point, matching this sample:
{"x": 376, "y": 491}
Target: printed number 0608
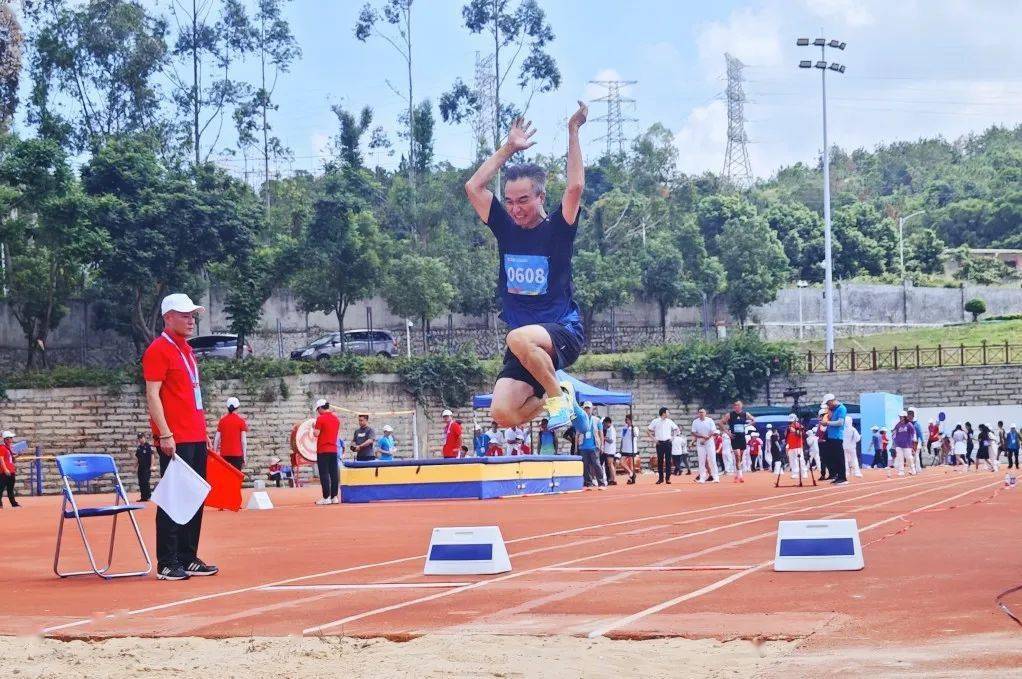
{"x": 517, "y": 275}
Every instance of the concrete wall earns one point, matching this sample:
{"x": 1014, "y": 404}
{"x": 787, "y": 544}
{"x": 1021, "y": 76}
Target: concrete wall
{"x": 107, "y": 419}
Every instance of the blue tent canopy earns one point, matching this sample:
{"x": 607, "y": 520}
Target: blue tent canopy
{"x": 583, "y": 391}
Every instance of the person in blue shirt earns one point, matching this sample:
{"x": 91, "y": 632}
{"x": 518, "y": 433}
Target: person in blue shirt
{"x": 547, "y": 438}
{"x": 385, "y": 445}
{"x": 479, "y": 441}
{"x": 1011, "y": 445}
{"x": 920, "y": 439}
{"x": 832, "y": 447}
{"x": 535, "y": 279}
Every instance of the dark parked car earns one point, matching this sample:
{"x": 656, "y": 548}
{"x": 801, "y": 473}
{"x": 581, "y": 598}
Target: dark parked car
{"x": 217, "y": 346}
{"x": 361, "y": 342}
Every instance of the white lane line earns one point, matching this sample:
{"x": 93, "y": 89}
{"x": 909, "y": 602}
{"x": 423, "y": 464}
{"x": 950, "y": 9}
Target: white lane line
{"x": 370, "y": 585}
{"x": 518, "y": 574}
{"x": 351, "y": 569}
{"x": 622, "y": 622}
{"x": 585, "y": 569}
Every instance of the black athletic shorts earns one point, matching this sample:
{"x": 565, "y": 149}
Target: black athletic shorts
{"x": 568, "y": 343}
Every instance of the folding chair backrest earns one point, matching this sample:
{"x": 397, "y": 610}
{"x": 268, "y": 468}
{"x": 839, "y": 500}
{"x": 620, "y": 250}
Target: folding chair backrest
{"x": 85, "y": 466}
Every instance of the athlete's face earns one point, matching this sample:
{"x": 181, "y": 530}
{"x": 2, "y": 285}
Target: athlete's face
{"x": 523, "y": 202}
{"x": 179, "y": 323}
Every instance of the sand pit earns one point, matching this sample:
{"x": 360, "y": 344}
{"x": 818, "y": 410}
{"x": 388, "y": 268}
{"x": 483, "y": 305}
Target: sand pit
{"x": 427, "y": 656}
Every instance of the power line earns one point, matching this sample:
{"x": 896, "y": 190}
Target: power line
{"x": 737, "y": 169}
{"x": 615, "y": 119}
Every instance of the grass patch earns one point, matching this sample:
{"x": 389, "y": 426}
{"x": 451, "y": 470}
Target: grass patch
{"x": 969, "y": 334}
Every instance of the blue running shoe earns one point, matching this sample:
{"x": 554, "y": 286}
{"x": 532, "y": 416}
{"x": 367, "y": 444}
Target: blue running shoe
{"x": 559, "y": 413}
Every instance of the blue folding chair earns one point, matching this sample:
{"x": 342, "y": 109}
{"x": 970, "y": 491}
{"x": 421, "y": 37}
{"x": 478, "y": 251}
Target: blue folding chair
{"x": 87, "y": 467}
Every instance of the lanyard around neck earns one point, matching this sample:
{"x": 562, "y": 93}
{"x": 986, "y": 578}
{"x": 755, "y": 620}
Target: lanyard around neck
{"x": 191, "y": 368}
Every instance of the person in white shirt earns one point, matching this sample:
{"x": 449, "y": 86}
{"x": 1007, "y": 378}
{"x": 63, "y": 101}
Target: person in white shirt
{"x": 851, "y": 448}
{"x": 727, "y": 453}
{"x": 495, "y": 441}
{"x": 628, "y": 451}
{"x": 813, "y": 445}
{"x": 703, "y": 429}
{"x": 662, "y": 430}
{"x": 679, "y": 453}
{"x": 609, "y": 455}
{"x": 513, "y": 437}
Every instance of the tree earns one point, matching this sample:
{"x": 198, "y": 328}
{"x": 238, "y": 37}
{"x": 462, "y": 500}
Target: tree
{"x": 203, "y": 48}
{"x": 277, "y": 49}
{"x": 754, "y": 261}
{"x": 165, "y": 227}
{"x": 49, "y": 241}
{"x": 800, "y": 231}
{"x": 602, "y": 283}
{"x": 340, "y": 256}
{"x": 250, "y": 276}
{"x": 472, "y": 267}
{"x": 924, "y": 252}
{"x": 11, "y": 45}
{"x": 975, "y": 307}
{"x": 398, "y": 14}
{"x": 980, "y": 270}
{"x": 868, "y": 241}
{"x": 417, "y": 286}
{"x": 522, "y": 28}
{"x": 103, "y": 56}
{"x": 664, "y": 280}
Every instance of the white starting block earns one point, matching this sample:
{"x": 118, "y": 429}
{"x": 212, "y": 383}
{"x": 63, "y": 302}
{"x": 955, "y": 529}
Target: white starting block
{"x": 259, "y": 500}
{"x": 824, "y": 545}
{"x": 473, "y": 550}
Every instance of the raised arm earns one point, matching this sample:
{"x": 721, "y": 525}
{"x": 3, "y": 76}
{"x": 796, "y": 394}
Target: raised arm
{"x": 478, "y": 186}
{"x": 576, "y": 169}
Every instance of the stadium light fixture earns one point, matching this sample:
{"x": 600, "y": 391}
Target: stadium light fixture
{"x": 802, "y": 42}
{"x": 837, "y": 67}
{"x": 805, "y": 63}
{"x": 820, "y": 42}
{"x": 821, "y": 64}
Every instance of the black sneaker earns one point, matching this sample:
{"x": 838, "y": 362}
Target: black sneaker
{"x": 197, "y": 567}
{"x": 171, "y": 573}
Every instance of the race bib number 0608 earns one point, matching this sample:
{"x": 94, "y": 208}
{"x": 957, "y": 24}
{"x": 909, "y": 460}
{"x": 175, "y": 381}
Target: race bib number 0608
{"x": 527, "y": 274}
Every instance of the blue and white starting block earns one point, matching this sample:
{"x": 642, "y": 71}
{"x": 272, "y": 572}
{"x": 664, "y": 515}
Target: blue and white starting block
{"x": 824, "y": 545}
{"x": 472, "y": 550}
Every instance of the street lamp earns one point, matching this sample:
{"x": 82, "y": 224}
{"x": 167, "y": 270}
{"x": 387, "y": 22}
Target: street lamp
{"x": 408, "y": 337}
{"x": 901, "y": 238}
{"x": 828, "y": 264}
{"x": 800, "y": 285}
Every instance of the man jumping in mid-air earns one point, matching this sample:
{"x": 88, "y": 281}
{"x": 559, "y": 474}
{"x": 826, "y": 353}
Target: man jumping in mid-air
{"x": 535, "y": 283}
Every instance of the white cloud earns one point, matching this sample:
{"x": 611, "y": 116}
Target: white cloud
{"x": 853, "y": 13}
{"x": 752, "y": 35}
{"x": 701, "y": 139}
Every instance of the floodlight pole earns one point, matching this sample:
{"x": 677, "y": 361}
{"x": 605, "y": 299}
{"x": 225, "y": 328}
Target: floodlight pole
{"x": 828, "y": 261}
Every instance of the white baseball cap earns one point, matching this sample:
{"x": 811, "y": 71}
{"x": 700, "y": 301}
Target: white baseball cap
{"x": 875, "y": 428}
{"x": 903, "y": 413}
{"x": 792, "y": 417}
{"x": 828, "y": 397}
{"x": 910, "y": 409}
{"x": 8, "y": 434}
{"x": 587, "y": 404}
{"x": 387, "y": 427}
{"x": 179, "y": 302}
{"x": 822, "y": 411}
{"x": 447, "y": 413}
{"x": 321, "y": 403}
{"x": 770, "y": 426}
{"x": 233, "y": 402}
{"x": 1013, "y": 425}
{"x": 754, "y": 433}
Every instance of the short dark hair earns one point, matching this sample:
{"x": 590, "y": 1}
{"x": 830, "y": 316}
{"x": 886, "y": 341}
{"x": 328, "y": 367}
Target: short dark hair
{"x": 527, "y": 171}
{"x": 663, "y": 410}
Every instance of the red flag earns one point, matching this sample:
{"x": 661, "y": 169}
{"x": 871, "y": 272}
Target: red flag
{"x": 225, "y": 483}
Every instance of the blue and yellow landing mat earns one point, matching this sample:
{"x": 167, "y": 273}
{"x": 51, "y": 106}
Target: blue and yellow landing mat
{"x": 462, "y": 478}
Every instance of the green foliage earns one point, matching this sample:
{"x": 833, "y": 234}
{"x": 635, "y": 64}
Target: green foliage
{"x": 67, "y": 376}
{"x": 418, "y": 287}
{"x": 664, "y": 279}
{"x": 711, "y": 374}
{"x": 924, "y": 252}
{"x": 603, "y": 283}
{"x": 980, "y": 270}
{"x": 441, "y": 379}
{"x": 975, "y": 307}
{"x": 753, "y": 259}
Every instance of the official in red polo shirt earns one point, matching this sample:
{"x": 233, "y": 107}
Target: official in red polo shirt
{"x": 7, "y": 468}
{"x": 325, "y": 430}
{"x": 452, "y": 435}
{"x": 179, "y": 428}
{"x": 231, "y": 437}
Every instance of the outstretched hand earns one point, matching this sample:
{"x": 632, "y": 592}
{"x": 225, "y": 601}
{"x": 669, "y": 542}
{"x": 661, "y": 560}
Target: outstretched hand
{"x": 578, "y": 118}
{"x": 521, "y": 135}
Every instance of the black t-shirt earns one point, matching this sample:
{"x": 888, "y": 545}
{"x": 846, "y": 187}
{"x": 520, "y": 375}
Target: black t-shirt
{"x": 361, "y": 435}
{"x": 738, "y": 423}
{"x": 535, "y": 282}
{"x": 143, "y": 450}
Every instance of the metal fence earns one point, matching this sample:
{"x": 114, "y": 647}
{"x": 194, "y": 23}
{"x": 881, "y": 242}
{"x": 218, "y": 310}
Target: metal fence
{"x": 906, "y": 358}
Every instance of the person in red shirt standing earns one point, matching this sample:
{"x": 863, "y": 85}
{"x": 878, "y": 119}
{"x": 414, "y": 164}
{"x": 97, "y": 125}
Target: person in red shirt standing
{"x": 325, "y": 430}
{"x": 179, "y": 427}
{"x": 7, "y": 469}
{"x": 231, "y": 437}
{"x": 452, "y": 435}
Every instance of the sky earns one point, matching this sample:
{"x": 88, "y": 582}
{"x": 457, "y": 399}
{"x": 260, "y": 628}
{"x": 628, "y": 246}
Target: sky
{"x": 914, "y": 69}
